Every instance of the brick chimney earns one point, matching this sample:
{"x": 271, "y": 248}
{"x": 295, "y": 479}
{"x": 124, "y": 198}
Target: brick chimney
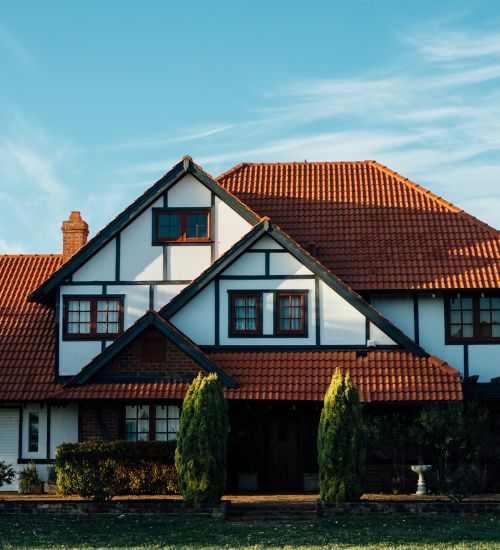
{"x": 75, "y": 232}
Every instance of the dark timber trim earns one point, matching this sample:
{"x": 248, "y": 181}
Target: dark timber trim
{"x": 217, "y": 312}
{"x": 118, "y": 257}
{"x": 43, "y": 293}
{"x": 151, "y": 318}
{"x": 317, "y": 311}
{"x": 416, "y": 322}
{"x": 267, "y": 228}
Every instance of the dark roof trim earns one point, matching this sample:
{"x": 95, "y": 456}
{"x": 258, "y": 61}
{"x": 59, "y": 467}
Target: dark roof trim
{"x": 266, "y": 227}
{"x": 151, "y": 318}
{"x": 186, "y": 166}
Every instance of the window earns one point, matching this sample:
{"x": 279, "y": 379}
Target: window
{"x": 474, "y": 318}
{"x": 33, "y": 432}
{"x": 151, "y": 423}
{"x": 246, "y": 313}
{"x": 290, "y": 313}
{"x": 181, "y": 226}
{"x": 92, "y": 317}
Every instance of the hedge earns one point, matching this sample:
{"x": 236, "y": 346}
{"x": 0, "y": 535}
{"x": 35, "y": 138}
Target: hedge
{"x": 100, "y": 470}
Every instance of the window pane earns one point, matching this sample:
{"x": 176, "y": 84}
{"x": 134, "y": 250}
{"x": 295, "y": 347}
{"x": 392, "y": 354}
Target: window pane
{"x": 173, "y": 426}
{"x": 173, "y": 411}
{"x": 466, "y": 303}
{"x": 485, "y": 330}
{"x": 197, "y": 226}
{"x": 495, "y": 303}
{"x": 455, "y": 303}
{"x": 456, "y": 330}
{"x": 161, "y": 426}
{"x": 169, "y": 226}
{"x": 456, "y": 317}
{"x": 467, "y": 317}
{"x": 33, "y": 424}
{"x": 484, "y": 317}
{"x": 495, "y": 331}
{"x": 467, "y": 331}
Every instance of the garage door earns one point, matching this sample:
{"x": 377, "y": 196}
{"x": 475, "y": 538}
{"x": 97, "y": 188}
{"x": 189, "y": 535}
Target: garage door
{"x": 9, "y": 441}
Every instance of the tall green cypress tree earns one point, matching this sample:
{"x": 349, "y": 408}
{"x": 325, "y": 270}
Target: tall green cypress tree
{"x": 200, "y": 457}
{"x": 341, "y": 442}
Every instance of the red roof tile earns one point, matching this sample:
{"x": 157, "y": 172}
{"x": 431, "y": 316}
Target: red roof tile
{"x": 26, "y": 329}
{"x": 370, "y": 226}
{"x": 305, "y": 376}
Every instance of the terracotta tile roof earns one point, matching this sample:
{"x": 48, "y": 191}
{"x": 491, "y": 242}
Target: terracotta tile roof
{"x": 305, "y": 375}
{"x": 26, "y": 329}
{"x": 370, "y": 226}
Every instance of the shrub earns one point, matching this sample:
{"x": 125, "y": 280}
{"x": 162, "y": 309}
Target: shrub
{"x": 200, "y": 457}
{"x": 463, "y": 481}
{"x": 29, "y": 478}
{"x": 341, "y": 442}
{"x": 455, "y": 434}
{"x": 100, "y": 470}
{"x": 7, "y": 473}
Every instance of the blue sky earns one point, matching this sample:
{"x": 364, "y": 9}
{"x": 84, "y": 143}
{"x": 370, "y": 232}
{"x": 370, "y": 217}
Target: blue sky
{"x": 99, "y": 99}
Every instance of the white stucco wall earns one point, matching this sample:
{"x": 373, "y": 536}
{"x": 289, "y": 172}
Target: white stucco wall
{"x": 63, "y": 425}
{"x": 341, "y": 323}
{"x": 139, "y": 259}
{"x": 189, "y": 193}
{"x": 185, "y": 263}
{"x": 229, "y": 227}
{"x": 136, "y": 301}
{"x": 101, "y": 267}
{"x": 248, "y": 264}
{"x": 164, "y": 294}
{"x": 484, "y": 360}
{"x": 398, "y": 308}
{"x": 197, "y": 318}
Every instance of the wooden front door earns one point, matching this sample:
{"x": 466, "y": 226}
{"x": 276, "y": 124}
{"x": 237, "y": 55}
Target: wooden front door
{"x": 282, "y": 447}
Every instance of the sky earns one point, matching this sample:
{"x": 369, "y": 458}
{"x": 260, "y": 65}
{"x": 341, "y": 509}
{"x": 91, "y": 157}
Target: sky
{"x": 99, "y": 99}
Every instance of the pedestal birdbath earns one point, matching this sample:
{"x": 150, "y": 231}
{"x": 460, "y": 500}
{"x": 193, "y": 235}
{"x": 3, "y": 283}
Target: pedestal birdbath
{"x": 420, "y": 469}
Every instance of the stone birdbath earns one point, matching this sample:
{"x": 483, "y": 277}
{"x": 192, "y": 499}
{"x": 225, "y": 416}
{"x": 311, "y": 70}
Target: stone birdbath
{"x": 420, "y": 469}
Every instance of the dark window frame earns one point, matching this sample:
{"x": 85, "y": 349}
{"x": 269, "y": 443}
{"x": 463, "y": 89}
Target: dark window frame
{"x": 476, "y": 324}
{"x": 183, "y": 215}
{"x": 277, "y": 314}
{"x": 93, "y": 299}
{"x": 233, "y": 296}
{"x": 152, "y": 421}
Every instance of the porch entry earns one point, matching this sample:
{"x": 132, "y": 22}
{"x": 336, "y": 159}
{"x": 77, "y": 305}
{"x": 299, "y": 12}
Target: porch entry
{"x": 282, "y": 451}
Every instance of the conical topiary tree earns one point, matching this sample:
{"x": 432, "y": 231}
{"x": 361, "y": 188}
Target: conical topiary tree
{"x": 200, "y": 457}
{"x": 341, "y": 442}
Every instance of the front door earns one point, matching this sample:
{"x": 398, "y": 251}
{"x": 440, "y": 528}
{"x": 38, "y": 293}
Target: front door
{"x": 282, "y": 445}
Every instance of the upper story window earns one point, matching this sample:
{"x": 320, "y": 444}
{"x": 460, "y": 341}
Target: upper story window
{"x": 474, "y": 318}
{"x": 181, "y": 226}
{"x": 245, "y": 313}
{"x": 290, "y": 313}
{"x": 93, "y": 317}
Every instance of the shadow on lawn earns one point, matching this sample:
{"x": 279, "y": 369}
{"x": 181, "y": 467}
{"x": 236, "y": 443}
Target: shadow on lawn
{"x": 153, "y": 532}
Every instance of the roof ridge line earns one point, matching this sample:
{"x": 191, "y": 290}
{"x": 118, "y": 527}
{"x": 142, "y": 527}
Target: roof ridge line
{"x": 43, "y": 255}
{"x": 419, "y": 188}
{"x": 232, "y": 170}
{"x": 422, "y": 190}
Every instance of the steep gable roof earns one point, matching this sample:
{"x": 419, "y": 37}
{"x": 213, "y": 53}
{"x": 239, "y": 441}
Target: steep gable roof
{"x": 268, "y": 228}
{"x": 370, "y": 226}
{"x": 186, "y": 166}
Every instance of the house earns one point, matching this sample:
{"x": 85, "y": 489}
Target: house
{"x": 272, "y": 276}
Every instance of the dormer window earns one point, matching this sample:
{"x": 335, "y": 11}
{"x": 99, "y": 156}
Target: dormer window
{"x": 93, "y": 317}
{"x": 175, "y": 225}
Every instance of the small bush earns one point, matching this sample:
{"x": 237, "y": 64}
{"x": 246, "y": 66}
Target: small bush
{"x": 341, "y": 442}
{"x": 100, "y": 470}
{"x": 29, "y": 478}
{"x": 464, "y": 480}
{"x": 7, "y": 473}
{"x": 200, "y": 457}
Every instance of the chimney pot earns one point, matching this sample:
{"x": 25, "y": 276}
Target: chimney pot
{"x": 75, "y": 232}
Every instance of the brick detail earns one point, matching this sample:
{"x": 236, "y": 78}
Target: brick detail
{"x": 75, "y": 232}
{"x": 100, "y": 421}
{"x": 175, "y": 364}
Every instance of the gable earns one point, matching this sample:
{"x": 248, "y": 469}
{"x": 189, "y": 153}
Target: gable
{"x": 149, "y": 357}
{"x": 267, "y": 262}
{"x": 135, "y": 257}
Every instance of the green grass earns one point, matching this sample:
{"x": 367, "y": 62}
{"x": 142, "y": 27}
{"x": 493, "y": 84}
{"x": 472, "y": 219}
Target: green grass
{"x": 24, "y": 531}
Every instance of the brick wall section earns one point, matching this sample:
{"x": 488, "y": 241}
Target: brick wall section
{"x": 95, "y": 416}
{"x": 176, "y": 364}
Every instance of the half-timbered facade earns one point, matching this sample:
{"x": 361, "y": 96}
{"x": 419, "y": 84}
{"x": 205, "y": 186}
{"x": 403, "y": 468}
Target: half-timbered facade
{"x": 272, "y": 276}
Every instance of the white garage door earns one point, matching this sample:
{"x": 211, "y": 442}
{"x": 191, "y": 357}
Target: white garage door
{"x": 9, "y": 441}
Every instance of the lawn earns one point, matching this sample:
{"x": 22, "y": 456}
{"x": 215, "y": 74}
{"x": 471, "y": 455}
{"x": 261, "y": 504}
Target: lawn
{"x": 158, "y": 532}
